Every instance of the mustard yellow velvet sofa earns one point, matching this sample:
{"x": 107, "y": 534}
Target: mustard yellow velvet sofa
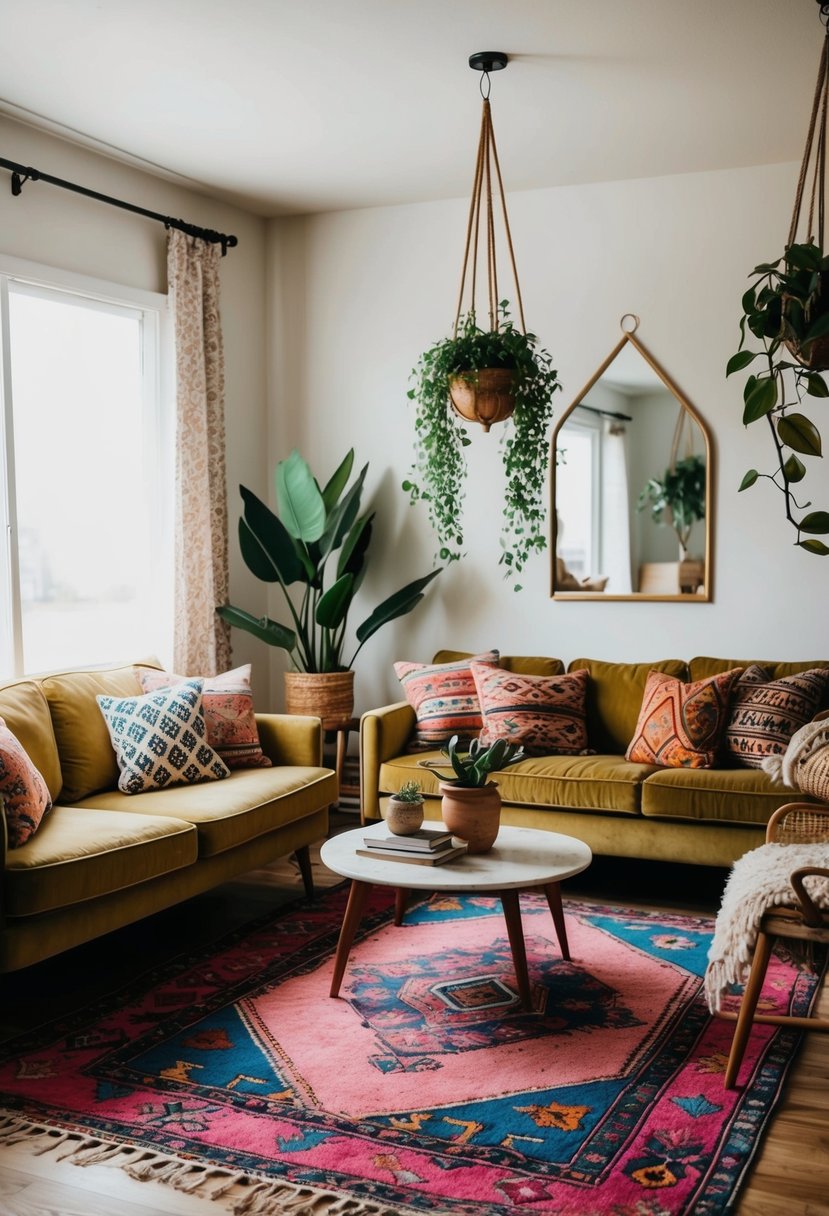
{"x": 702, "y": 816}
{"x": 101, "y": 859}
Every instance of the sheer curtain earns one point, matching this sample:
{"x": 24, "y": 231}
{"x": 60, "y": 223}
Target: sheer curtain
{"x": 202, "y": 639}
{"x": 615, "y": 509}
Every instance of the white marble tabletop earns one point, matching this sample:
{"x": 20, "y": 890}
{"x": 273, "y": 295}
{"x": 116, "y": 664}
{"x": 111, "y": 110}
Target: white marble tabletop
{"x": 520, "y": 857}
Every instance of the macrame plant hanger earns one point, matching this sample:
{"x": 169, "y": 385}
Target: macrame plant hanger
{"x": 485, "y": 396}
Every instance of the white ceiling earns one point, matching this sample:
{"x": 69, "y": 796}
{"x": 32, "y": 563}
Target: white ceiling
{"x": 308, "y": 105}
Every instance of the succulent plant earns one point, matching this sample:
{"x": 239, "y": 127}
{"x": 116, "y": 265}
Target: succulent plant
{"x": 472, "y": 770}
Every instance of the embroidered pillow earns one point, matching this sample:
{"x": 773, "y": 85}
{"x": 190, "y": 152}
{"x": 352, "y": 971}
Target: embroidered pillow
{"x": 681, "y": 725}
{"x": 545, "y": 714}
{"x": 765, "y": 713}
{"x": 160, "y": 739}
{"x": 228, "y": 713}
{"x": 23, "y": 791}
{"x": 444, "y": 697}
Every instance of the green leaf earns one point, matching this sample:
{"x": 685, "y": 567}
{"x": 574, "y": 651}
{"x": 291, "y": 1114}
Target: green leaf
{"x": 761, "y": 400}
{"x": 814, "y": 546}
{"x": 794, "y": 470}
{"x": 298, "y": 498}
{"x": 799, "y": 433}
{"x": 333, "y": 606}
{"x": 742, "y": 359}
{"x": 749, "y": 479}
{"x": 816, "y": 385}
{"x": 819, "y": 330}
{"x": 749, "y": 300}
{"x": 268, "y": 550}
{"x": 355, "y": 546}
{"x": 343, "y": 516}
{"x": 802, "y": 257}
{"x": 262, "y": 628}
{"x": 815, "y": 521}
{"x": 331, "y": 493}
{"x": 396, "y": 605}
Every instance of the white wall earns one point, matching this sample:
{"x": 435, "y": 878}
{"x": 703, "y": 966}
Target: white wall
{"x": 58, "y": 228}
{"x": 358, "y": 295}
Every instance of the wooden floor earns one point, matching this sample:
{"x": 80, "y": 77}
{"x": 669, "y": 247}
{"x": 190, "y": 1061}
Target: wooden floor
{"x": 790, "y": 1176}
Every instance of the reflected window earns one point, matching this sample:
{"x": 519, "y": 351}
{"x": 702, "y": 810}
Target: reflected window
{"x": 578, "y": 474}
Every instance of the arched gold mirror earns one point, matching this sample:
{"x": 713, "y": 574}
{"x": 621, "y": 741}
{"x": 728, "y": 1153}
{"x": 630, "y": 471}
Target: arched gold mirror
{"x": 631, "y": 486}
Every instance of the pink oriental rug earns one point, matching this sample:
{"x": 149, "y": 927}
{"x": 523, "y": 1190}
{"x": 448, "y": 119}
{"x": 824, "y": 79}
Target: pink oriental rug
{"x": 424, "y": 1088}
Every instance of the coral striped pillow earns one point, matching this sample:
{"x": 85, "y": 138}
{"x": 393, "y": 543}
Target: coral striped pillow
{"x": 545, "y": 714}
{"x": 765, "y": 713}
{"x": 444, "y": 697}
{"x": 23, "y": 791}
{"x": 681, "y": 725}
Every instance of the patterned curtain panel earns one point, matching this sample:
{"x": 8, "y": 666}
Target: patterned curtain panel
{"x": 202, "y": 639}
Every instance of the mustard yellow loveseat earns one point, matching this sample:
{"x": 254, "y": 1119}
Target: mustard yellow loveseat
{"x": 702, "y": 816}
{"x": 101, "y": 859}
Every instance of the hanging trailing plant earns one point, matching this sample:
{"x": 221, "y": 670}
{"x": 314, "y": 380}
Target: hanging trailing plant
{"x": 787, "y": 310}
{"x": 486, "y": 376}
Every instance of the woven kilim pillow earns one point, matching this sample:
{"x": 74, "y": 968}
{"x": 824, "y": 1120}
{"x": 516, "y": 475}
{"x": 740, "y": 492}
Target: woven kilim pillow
{"x": 228, "y": 714}
{"x": 444, "y": 697}
{"x": 681, "y": 725}
{"x": 160, "y": 739}
{"x": 545, "y": 714}
{"x": 23, "y": 791}
{"x": 765, "y": 713}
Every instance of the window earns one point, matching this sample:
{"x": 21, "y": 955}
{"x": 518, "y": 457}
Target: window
{"x": 578, "y": 482}
{"x": 86, "y": 473}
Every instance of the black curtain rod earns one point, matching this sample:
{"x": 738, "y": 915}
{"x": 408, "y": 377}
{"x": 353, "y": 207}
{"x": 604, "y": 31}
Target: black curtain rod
{"x": 22, "y": 173}
{"x": 605, "y": 413}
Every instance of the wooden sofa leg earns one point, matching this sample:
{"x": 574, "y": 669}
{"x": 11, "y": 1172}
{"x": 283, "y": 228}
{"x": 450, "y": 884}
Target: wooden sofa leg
{"x": 759, "y": 965}
{"x": 303, "y": 860}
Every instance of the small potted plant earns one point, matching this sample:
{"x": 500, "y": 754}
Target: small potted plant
{"x": 678, "y": 498}
{"x": 471, "y": 806}
{"x": 405, "y": 810}
{"x": 452, "y": 378}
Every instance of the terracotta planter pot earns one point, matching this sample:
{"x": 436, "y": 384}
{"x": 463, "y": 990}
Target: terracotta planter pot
{"x": 473, "y": 815}
{"x": 817, "y": 359}
{"x": 403, "y": 818}
{"x": 485, "y": 397}
{"x": 325, "y": 695}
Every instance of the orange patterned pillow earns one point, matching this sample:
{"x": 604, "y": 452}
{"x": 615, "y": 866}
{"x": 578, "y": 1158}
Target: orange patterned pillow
{"x": 681, "y": 725}
{"x": 22, "y": 789}
{"x": 444, "y": 697}
{"x": 545, "y": 714}
{"x": 228, "y": 713}
{"x": 765, "y": 713}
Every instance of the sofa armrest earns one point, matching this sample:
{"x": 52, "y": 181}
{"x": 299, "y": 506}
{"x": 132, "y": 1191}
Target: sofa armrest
{"x": 291, "y": 738}
{"x": 384, "y": 734}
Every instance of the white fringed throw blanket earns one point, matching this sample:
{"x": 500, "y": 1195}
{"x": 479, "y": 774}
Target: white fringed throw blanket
{"x": 759, "y": 881}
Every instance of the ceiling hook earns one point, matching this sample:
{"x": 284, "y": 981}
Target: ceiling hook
{"x": 486, "y": 62}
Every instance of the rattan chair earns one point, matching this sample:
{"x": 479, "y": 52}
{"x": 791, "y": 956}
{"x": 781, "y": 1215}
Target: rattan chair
{"x": 795, "y": 823}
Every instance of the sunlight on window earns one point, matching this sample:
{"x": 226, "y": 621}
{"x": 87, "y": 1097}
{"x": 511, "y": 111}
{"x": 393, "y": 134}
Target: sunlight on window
{"x": 83, "y": 515}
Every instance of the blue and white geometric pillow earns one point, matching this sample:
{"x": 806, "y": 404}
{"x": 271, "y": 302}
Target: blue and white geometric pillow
{"x": 160, "y": 739}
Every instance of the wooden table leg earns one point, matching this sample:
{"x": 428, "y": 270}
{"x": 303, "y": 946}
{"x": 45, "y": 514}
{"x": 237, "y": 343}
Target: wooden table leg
{"x": 357, "y": 897}
{"x": 553, "y": 893}
{"x": 303, "y": 858}
{"x": 512, "y": 915}
{"x": 401, "y": 896}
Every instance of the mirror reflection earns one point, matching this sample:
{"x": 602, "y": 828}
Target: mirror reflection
{"x": 631, "y": 487}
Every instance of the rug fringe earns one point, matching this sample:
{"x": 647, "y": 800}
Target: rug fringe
{"x": 261, "y": 1198}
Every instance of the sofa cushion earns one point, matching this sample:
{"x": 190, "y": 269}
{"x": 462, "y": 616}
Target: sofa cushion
{"x": 444, "y": 698}
{"x": 589, "y": 783}
{"x": 701, "y": 667}
{"x": 81, "y": 854}
{"x": 25, "y": 711}
{"x": 86, "y": 757}
{"x": 248, "y": 803}
{"x": 521, "y": 664}
{"x": 614, "y": 695}
{"x": 765, "y": 713}
{"x": 543, "y": 714}
{"x": 726, "y": 795}
{"x": 681, "y": 725}
{"x": 24, "y": 793}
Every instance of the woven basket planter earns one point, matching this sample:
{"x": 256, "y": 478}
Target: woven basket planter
{"x": 485, "y": 396}
{"x": 325, "y": 695}
{"x": 818, "y": 358}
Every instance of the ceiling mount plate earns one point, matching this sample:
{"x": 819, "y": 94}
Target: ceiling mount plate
{"x": 488, "y": 61}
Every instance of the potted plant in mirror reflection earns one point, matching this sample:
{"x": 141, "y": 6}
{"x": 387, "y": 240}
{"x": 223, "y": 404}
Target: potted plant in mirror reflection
{"x": 787, "y": 311}
{"x": 678, "y": 498}
{"x": 438, "y": 477}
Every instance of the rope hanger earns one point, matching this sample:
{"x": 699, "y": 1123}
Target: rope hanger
{"x": 815, "y": 147}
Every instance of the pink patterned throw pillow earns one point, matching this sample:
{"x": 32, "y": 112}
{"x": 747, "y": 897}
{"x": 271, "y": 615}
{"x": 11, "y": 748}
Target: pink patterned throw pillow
{"x": 23, "y": 791}
{"x": 444, "y": 697}
{"x": 545, "y": 714}
{"x": 228, "y": 712}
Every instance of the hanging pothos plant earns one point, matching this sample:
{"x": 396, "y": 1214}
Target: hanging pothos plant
{"x": 439, "y": 473}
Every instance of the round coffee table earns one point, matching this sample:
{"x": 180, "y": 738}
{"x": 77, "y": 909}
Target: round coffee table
{"x": 521, "y": 858}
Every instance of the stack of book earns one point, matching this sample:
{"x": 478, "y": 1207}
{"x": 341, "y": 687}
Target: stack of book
{"x": 425, "y": 847}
